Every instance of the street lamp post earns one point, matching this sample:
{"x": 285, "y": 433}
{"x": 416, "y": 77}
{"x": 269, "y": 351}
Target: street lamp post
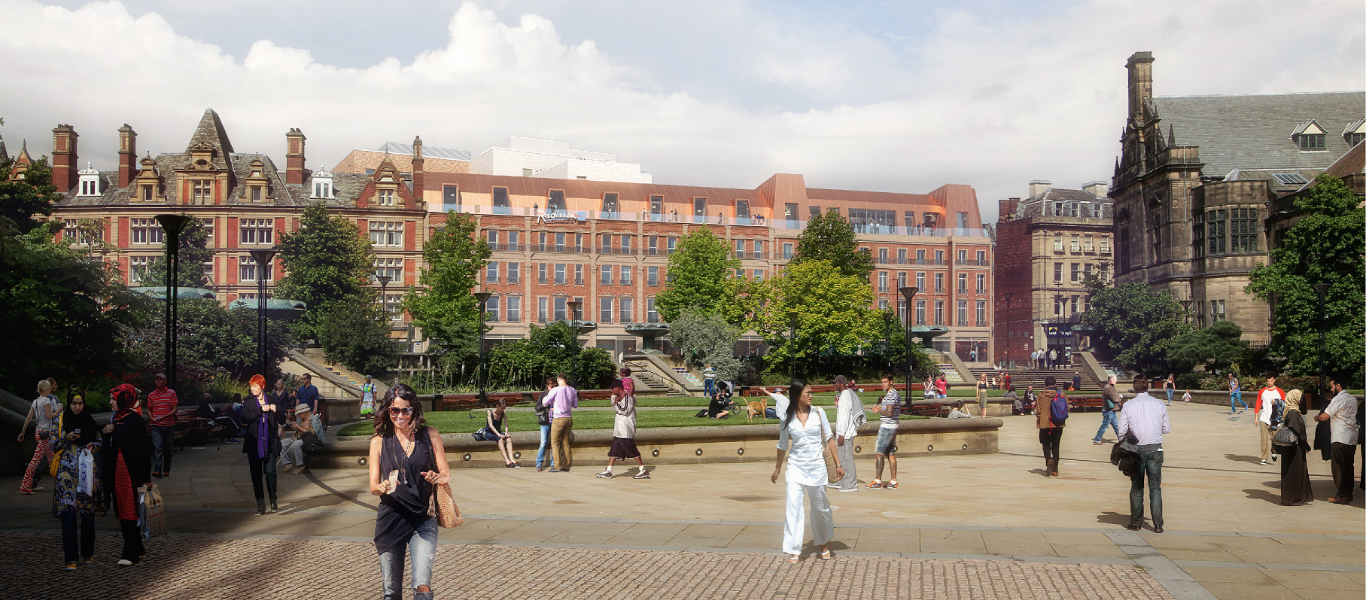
{"x": 262, "y": 258}
{"x": 1322, "y": 289}
{"x": 908, "y": 292}
{"x": 383, "y": 289}
{"x": 483, "y": 298}
{"x": 1007, "y": 296}
{"x": 172, "y": 225}
{"x": 574, "y": 307}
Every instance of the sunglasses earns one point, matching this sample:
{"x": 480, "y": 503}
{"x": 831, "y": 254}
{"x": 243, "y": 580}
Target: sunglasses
{"x": 400, "y": 410}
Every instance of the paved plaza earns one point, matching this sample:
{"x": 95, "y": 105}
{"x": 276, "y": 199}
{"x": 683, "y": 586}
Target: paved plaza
{"x": 983, "y": 526}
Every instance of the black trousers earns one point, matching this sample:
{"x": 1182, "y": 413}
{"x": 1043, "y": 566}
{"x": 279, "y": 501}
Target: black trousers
{"x": 1343, "y": 476}
{"x": 132, "y": 541}
{"x": 1051, "y": 440}
{"x": 258, "y": 468}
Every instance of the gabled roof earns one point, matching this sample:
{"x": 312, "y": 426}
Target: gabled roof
{"x": 210, "y": 131}
{"x": 1255, "y": 131}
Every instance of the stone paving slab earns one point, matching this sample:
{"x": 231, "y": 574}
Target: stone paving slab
{"x": 233, "y": 569}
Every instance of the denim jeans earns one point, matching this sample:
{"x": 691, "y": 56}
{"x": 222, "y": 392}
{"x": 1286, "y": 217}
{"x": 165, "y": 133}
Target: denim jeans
{"x": 69, "y": 533}
{"x": 1170, "y": 391}
{"x": 422, "y": 547}
{"x": 1234, "y": 399}
{"x": 1150, "y": 463}
{"x": 545, "y": 449}
{"x": 1107, "y": 417}
{"x": 162, "y": 439}
{"x": 709, "y": 387}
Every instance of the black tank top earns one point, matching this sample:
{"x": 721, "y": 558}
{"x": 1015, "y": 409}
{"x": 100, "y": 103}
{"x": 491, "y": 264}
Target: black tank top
{"x": 402, "y": 511}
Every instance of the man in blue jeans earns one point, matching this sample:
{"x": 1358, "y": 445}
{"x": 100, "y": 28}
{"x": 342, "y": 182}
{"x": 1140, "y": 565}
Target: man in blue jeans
{"x": 1146, "y": 418}
{"x": 543, "y": 418}
{"x": 709, "y": 381}
{"x": 1107, "y": 411}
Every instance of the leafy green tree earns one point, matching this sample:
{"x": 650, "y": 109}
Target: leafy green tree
{"x": 1221, "y": 342}
{"x": 706, "y": 338}
{"x": 829, "y": 237}
{"x": 1325, "y": 246}
{"x": 357, "y": 335}
{"x": 546, "y": 351}
{"x": 445, "y": 310}
{"x": 212, "y": 339}
{"x": 894, "y": 349}
{"x": 1135, "y": 325}
{"x": 194, "y": 252}
{"x": 698, "y": 271}
{"x": 830, "y": 309}
{"x": 327, "y": 264}
{"x": 22, "y": 199}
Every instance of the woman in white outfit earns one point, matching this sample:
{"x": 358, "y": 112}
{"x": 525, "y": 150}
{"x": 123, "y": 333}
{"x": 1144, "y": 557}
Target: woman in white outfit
{"x": 800, "y": 435}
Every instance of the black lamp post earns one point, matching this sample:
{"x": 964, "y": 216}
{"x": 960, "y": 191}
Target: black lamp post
{"x": 483, "y": 298}
{"x": 383, "y": 289}
{"x": 1322, "y": 289}
{"x": 574, "y": 307}
{"x": 909, "y": 293}
{"x": 1186, "y": 306}
{"x": 263, "y": 259}
{"x": 1007, "y": 296}
{"x": 172, "y": 225}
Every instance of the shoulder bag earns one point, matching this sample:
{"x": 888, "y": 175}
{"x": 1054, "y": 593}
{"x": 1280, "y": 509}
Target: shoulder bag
{"x": 57, "y": 456}
{"x": 826, "y": 455}
{"x": 442, "y": 505}
{"x": 1285, "y": 438}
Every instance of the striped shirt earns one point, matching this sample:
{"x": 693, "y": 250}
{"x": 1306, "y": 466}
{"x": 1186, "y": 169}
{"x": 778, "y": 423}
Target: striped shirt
{"x": 1146, "y": 416}
{"x": 163, "y": 405}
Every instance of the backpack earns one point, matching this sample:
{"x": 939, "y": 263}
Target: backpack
{"x": 1059, "y": 409}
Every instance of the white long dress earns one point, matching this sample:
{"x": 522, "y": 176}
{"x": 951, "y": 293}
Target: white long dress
{"x": 805, "y": 476}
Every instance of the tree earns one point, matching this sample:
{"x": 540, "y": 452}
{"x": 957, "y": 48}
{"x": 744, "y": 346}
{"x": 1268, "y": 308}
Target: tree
{"x": 194, "y": 252}
{"x": 212, "y": 339}
{"x": 830, "y": 309}
{"x": 446, "y": 310}
{"x": 1216, "y": 347}
{"x": 327, "y": 265}
{"x": 1325, "y": 246}
{"x": 894, "y": 351}
{"x": 1135, "y": 325}
{"x": 22, "y": 199}
{"x": 546, "y": 351}
{"x": 698, "y": 271}
{"x": 704, "y": 338}
{"x": 357, "y": 335}
{"x": 830, "y": 238}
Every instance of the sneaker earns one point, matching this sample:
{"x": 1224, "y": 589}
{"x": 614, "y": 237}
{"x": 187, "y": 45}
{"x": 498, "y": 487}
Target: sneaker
{"x": 88, "y": 561}
{"x": 156, "y": 474}
{"x": 555, "y": 470}
{"x": 891, "y": 485}
{"x": 852, "y": 489}
{"x": 643, "y": 474}
{"x": 1263, "y": 462}
{"x": 70, "y": 567}
{"x": 123, "y": 562}
{"x": 875, "y": 485}
{"x": 516, "y": 466}
{"x": 1095, "y": 443}
{"x": 298, "y": 469}
{"x": 539, "y": 469}
{"x": 605, "y": 475}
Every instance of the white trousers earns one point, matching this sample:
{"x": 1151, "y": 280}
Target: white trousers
{"x": 794, "y": 527}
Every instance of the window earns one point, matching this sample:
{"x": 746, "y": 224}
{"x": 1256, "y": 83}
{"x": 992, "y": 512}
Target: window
{"x": 69, "y": 231}
{"x": 672, "y": 243}
{"x": 541, "y": 275}
{"x": 962, "y": 257}
{"x": 919, "y": 257}
{"x": 739, "y": 248}
{"x": 1057, "y": 243}
{"x": 1057, "y": 305}
{"x": 605, "y": 246}
{"x": 606, "y": 271}
{"x": 143, "y": 231}
{"x": 578, "y": 274}
{"x": 758, "y": 274}
{"x": 625, "y": 274}
{"x": 742, "y": 209}
{"x": 882, "y": 305}
{"x": 605, "y": 315}
{"x": 386, "y": 233}
{"x": 962, "y": 283}
{"x": 255, "y": 193}
{"x": 981, "y": 258}
{"x": 962, "y": 220}
{"x": 651, "y": 315}
{"x": 1214, "y": 222}
{"x": 652, "y": 279}
{"x": 656, "y": 205}
{"x": 938, "y": 283}
{"x": 555, "y": 201}
{"x": 542, "y": 246}
{"x": 1086, "y": 270}
{"x": 514, "y": 273}
{"x": 493, "y": 239}
{"x": 1076, "y": 272}
{"x": 256, "y": 231}
{"x": 787, "y": 251}
{"x": 900, "y": 280}
{"x": 491, "y": 308}
{"x": 910, "y": 219}
{"x": 1076, "y": 243}
{"x": 392, "y": 267}
{"x": 137, "y": 268}
{"x": 981, "y": 283}
{"x": 920, "y": 282}
{"x": 512, "y": 241}
{"x": 201, "y": 191}
{"x": 1242, "y": 230}
{"x": 559, "y": 242}
{"x": 147, "y": 193}
{"x": 393, "y": 306}
{"x": 882, "y": 255}
{"x": 609, "y": 205}
{"x": 514, "y": 309}
{"x": 624, "y": 306}
{"x": 500, "y": 198}
{"x": 901, "y": 256}
{"x": 491, "y": 273}
{"x": 739, "y": 273}
{"x": 559, "y": 273}
{"x": 385, "y": 197}
{"x": 1312, "y": 142}
{"x": 450, "y": 195}
{"x": 938, "y": 257}
{"x": 919, "y": 312}
{"x": 882, "y": 281}
{"x": 815, "y": 211}
{"x": 625, "y": 244}
{"x": 246, "y": 269}
{"x": 653, "y": 242}
{"x": 1105, "y": 245}
{"x": 541, "y": 309}
{"x": 561, "y": 308}
{"x": 1057, "y": 271}
{"x": 981, "y": 313}
{"x": 938, "y": 312}
{"x": 900, "y": 309}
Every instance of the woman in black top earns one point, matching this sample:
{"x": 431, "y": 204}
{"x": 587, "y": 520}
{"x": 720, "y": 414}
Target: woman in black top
{"x": 126, "y": 462}
{"x": 406, "y": 460}
{"x": 720, "y": 402}
{"x": 262, "y": 418}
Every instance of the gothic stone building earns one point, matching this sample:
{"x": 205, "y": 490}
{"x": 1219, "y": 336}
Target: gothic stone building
{"x": 1197, "y": 177}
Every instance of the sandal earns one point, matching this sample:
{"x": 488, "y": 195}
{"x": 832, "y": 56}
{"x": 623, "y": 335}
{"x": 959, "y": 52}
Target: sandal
{"x": 794, "y": 559}
{"x": 825, "y": 554}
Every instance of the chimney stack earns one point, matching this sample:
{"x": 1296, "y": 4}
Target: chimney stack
{"x": 417, "y": 170}
{"x": 128, "y": 152}
{"x": 64, "y": 158}
{"x": 1039, "y": 187}
{"x": 1006, "y": 209}
{"x": 1098, "y": 189}
{"x": 1140, "y": 67}
{"x": 294, "y": 156}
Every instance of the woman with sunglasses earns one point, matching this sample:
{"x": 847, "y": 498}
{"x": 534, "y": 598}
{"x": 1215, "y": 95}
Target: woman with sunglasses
{"x": 262, "y": 418}
{"x": 407, "y": 460}
{"x": 77, "y": 488}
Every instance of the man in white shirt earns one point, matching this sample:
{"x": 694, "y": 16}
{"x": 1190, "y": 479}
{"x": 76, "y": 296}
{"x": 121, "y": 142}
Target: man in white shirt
{"x": 848, "y": 416}
{"x": 1343, "y": 429}
{"x": 1146, "y": 418}
{"x": 1267, "y": 399}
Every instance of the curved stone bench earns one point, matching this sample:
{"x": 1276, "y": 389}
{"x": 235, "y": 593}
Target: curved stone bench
{"x": 689, "y": 445}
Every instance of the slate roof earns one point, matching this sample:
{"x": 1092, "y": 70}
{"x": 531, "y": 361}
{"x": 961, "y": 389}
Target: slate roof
{"x": 1254, "y": 131}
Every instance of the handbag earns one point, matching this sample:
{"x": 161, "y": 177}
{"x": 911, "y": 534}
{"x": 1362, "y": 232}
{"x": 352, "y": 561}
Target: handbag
{"x": 485, "y": 435}
{"x": 151, "y": 513}
{"x": 57, "y": 456}
{"x": 1285, "y": 438}
{"x": 442, "y": 505}
{"x": 826, "y": 454}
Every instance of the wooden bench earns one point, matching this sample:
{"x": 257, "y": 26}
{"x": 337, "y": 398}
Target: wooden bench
{"x": 190, "y": 426}
{"x": 927, "y": 409}
{"x": 1083, "y": 403}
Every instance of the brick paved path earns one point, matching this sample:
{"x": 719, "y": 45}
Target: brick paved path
{"x": 208, "y": 568}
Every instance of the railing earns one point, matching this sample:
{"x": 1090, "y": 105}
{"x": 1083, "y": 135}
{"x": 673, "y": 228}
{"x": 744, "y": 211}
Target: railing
{"x": 618, "y": 251}
{"x": 750, "y": 255}
{"x": 514, "y": 279}
{"x": 973, "y": 262}
{"x": 562, "y": 248}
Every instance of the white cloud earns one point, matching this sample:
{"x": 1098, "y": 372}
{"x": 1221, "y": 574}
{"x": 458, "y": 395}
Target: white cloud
{"x": 979, "y": 99}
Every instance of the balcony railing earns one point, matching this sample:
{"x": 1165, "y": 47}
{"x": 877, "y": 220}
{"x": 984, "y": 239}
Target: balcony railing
{"x": 564, "y": 248}
{"x": 973, "y": 262}
{"x": 750, "y": 255}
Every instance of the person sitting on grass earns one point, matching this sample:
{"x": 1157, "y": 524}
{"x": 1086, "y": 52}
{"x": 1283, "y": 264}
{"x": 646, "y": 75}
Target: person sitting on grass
{"x": 720, "y": 402}
{"x": 957, "y": 412}
{"x": 623, "y": 433}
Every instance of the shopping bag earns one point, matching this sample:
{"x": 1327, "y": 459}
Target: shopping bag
{"x": 151, "y": 513}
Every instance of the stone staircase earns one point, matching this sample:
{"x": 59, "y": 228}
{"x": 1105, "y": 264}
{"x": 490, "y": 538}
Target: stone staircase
{"x": 951, "y": 374}
{"x": 686, "y": 375}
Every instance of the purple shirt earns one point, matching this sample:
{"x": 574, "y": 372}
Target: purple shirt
{"x": 1146, "y": 416}
{"x": 562, "y": 400}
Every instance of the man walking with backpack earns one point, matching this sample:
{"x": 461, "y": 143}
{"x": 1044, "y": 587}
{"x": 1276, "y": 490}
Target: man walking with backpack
{"x": 1146, "y": 418}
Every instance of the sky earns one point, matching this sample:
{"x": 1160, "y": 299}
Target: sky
{"x": 887, "y": 96}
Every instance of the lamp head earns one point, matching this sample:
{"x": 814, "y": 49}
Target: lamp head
{"x": 909, "y": 291}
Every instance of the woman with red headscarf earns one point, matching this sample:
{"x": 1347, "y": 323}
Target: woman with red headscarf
{"x": 261, "y": 417}
{"x": 127, "y": 462}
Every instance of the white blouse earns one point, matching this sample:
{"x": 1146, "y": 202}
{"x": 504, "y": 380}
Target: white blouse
{"x": 803, "y": 446}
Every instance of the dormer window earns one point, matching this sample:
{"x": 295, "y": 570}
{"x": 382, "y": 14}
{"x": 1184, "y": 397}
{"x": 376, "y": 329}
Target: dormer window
{"x": 386, "y": 197}
{"x": 322, "y": 183}
{"x": 1310, "y": 137}
{"x": 90, "y": 181}
{"x": 1354, "y": 133}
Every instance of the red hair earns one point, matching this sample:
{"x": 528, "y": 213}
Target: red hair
{"x": 258, "y": 380}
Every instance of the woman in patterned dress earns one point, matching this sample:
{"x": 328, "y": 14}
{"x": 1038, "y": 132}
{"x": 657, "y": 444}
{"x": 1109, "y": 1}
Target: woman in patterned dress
{"x": 76, "y": 498}
{"x": 126, "y": 465}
